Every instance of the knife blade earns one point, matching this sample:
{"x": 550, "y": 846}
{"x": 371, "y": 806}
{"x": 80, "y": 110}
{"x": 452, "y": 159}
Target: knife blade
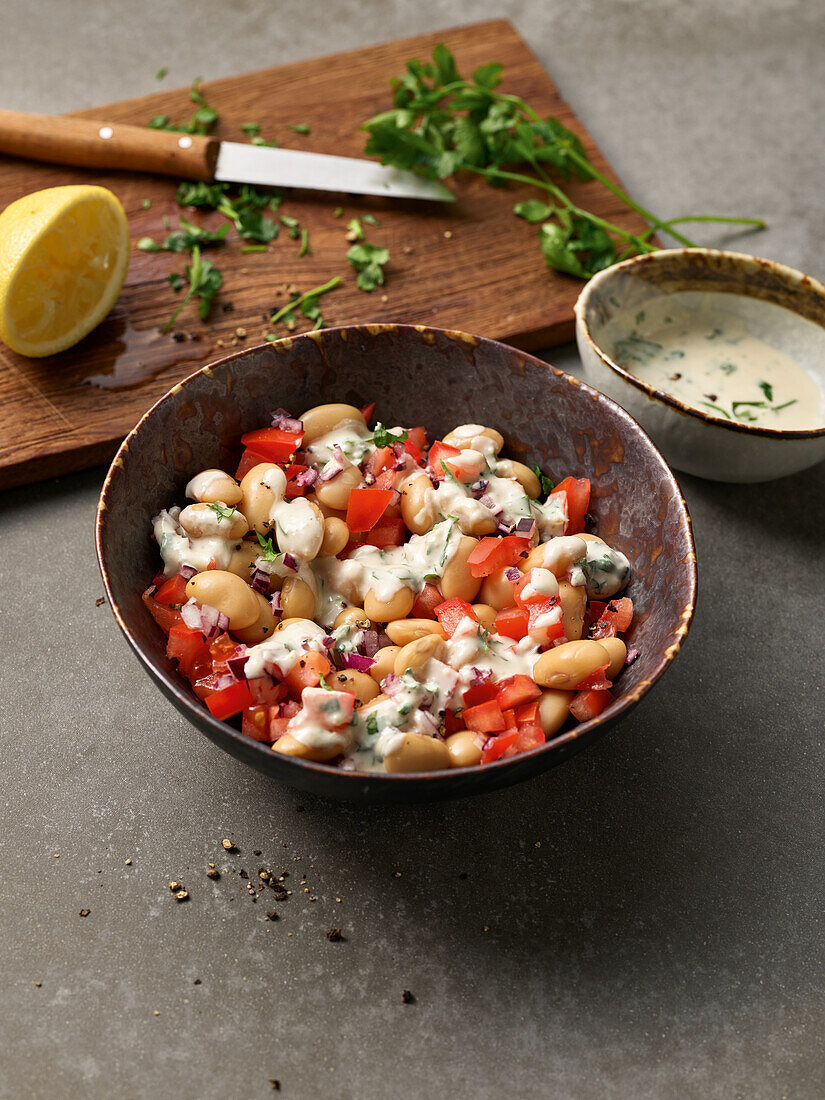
{"x": 61, "y": 139}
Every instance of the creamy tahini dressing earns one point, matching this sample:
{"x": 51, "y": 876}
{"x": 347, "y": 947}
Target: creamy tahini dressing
{"x": 178, "y": 549}
{"x": 700, "y": 349}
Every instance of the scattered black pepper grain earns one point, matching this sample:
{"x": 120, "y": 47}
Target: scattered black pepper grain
{"x": 271, "y": 915}
{"x": 197, "y": 981}
{"x": 334, "y": 935}
{"x": 100, "y": 600}
{"x": 299, "y": 809}
{"x": 85, "y": 912}
{"x": 462, "y": 875}
{"x": 38, "y": 984}
{"x": 256, "y": 851}
{"x": 228, "y": 307}
{"x": 275, "y": 1084}
{"x": 213, "y": 872}
{"x": 243, "y": 873}
{"x": 407, "y": 997}
{"x": 178, "y": 337}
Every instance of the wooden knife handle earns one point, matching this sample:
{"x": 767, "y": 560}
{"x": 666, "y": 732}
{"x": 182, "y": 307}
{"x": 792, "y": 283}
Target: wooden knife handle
{"x": 90, "y": 144}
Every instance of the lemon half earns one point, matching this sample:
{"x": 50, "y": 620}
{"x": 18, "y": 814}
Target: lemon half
{"x": 64, "y": 254}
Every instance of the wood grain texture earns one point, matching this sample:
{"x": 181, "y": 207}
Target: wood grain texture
{"x": 471, "y": 266}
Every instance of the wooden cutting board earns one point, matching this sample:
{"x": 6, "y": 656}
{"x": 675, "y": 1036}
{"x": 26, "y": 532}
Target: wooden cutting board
{"x": 471, "y": 266}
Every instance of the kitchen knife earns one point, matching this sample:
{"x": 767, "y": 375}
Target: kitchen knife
{"x": 89, "y": 144}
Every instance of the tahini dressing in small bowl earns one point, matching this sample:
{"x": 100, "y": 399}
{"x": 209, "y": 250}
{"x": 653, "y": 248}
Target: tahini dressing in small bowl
{"x": 723, "y": 355}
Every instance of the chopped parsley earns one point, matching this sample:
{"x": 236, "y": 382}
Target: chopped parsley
{"x": 299, "y": 128}
{"x": 546, "y": 483}
{"x": 184, "y": 239}
{"x": 204, "y": 283}
{"x": 368, "y": 260}
{"x": 372, "y": 725}
{"x": 221, "y": 511}
{"x": 269, "y": 551}
{"x": 383, "y": 437}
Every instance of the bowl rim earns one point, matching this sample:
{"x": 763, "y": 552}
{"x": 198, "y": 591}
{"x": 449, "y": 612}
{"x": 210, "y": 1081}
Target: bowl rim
{"x": 742, "y": 259}
{"x": 290, "y": 768}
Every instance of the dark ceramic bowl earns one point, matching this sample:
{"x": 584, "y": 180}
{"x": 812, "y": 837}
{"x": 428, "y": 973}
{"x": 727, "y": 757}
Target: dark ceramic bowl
{"x": 418, "y": 376}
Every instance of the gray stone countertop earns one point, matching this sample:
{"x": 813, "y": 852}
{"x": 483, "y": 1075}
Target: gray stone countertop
{"x": 645, "y": 921}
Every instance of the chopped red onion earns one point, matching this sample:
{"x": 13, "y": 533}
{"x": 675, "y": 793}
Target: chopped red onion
{"x": 259, "y": 581}
{"x": 369, "y": 479}
{"x": 430, "y": 721}
{"x": 480, "y": 676}
{"x": 525, "y": 526}
{"x": 347, "y": 764}
{"x": 503, "y": 528}
{"x": 357, "y": 661}
{"x": 512, "y": 574}
{"x": 281, "y": 419}
{"x": 328, "y": 641}
{"x": 369, "y": 642}
{"x": 290, "y": 562}
{"x": 384, "y": 640}
{"x": 213, "y": 622}
{"x": 188, "y": 572}
{"x": 334, "y": 467}
{"x": 224, "y": 681}
{"x": 632, "y": 655}
{"x": 307, "y": 478}
{"x": 236, "y": 664}
{"x": 395, "y": 500}
{"x": 191, "y": 615}
{"x": 277, "y": 606}
{"x": 479, "y": 488}
{"x": 433, "y": 475}
{"x": 391, "y": 685}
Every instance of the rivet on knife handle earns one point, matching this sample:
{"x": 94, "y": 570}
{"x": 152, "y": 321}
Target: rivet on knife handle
{"x": 91, "y": 144}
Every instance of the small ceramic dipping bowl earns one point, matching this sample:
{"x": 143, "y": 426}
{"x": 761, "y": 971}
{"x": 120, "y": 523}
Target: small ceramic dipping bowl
{"x": 702, "y": 442}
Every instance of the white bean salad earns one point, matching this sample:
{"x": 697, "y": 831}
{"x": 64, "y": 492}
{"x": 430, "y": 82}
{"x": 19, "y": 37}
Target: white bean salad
{"x": 359, "y": 597}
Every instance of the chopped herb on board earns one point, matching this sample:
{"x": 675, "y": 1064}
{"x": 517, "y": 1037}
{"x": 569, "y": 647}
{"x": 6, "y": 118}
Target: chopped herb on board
{"x": 201, "y": 121}
{"x": 204, "y": 283}
{"x": 368, "y": 260}
{"x": 183, "y": 239}
{"x": 299, "y": 128}
{"x": 441, "y": 123}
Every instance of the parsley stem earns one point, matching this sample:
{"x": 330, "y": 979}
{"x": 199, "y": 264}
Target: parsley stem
{"x": 194, "y": 278}
{"x": 315, "y": 293}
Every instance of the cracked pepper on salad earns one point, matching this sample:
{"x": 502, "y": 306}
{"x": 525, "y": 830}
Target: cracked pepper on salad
{"x": 360, "y": 597}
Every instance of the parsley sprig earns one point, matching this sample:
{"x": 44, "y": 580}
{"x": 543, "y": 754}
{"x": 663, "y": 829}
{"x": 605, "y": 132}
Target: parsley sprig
{"x": 547, "y": 484}
{"x": 204, "y": 283}
{"x": 383, "y": 437}
{"x": 442, "y": 123}
{"x": 368, "y": 260}
{"x": 221, "y": 511}
{"x": 269, "y": 551}
{"x": 184, "y": 239}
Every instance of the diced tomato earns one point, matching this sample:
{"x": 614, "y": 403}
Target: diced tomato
{"x": 616, "y": 617}
{"x": 221, "y": 649}
{"x": 595, "y": 610}
{"x": 229, "y": 701}
{"x": 465, "y": 466}
{"x": 159, "y": 579}
{"x": 452, "y": 722}
{"x": 438, "y": 452}
{"x": 589, "y": 704}
{"x": 366, "y": 506}
{"x": 278, "y": 724}
{"x": 379, "y": 460}
{"x": 516, "y": 690}
{"x": 577, "y": 490}
{"x": 484, "y": 718}
{"x": 265, "y": 690}
{"x": 533, "y": 597}
{"x": 529, "y": 737}
{"x": 165, "y": 617}
{"x": 492, "y": 554}
{"x": 249, "y": 460}
{"x": 513, "y": 622}
{"x": 479, "y": 693}
{"x": 497, "y": 746}
{"x": 293, "y": 489}
{"x": 596, "y": 681}
{"x": 187, "y": 647}
{"x": 307, "y": 672}
{"x": 510, "y": 722}
{"x": 426, "y": 602}
{"x": 389, "y": 531}
{"x": 549, "y": 631}
{"x": 368, "y": 410}
{"x": 415, "y": 453}
{"x": 451, "y": 612}
{"x": 274, "y": 444}
{"x": 527, "y": 714}
{"x": 172, "y": 591}
{"x": 418, "y": 438}
{"x": 255, "y": 723}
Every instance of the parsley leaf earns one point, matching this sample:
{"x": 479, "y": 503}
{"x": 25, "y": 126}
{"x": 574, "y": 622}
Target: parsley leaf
{"x": 269, "y": 552}
{"x": 308, "y": 299}
{"x": 251, "y": 129}
{"x": 222, "y": 512}
{"x": 183, "y": 239}
{"x": 368, "y": 260}
{"x": 534, "y": 210}
{"x": 547, "y": 485}
{"x": 372, "y": 725}
{"x": 355, "y": 231}
{"x": 204, "y": 283}
{"x": 201, "y": 121}
{"x": 299, "y": 128}
{"x": 382, "y": 437}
